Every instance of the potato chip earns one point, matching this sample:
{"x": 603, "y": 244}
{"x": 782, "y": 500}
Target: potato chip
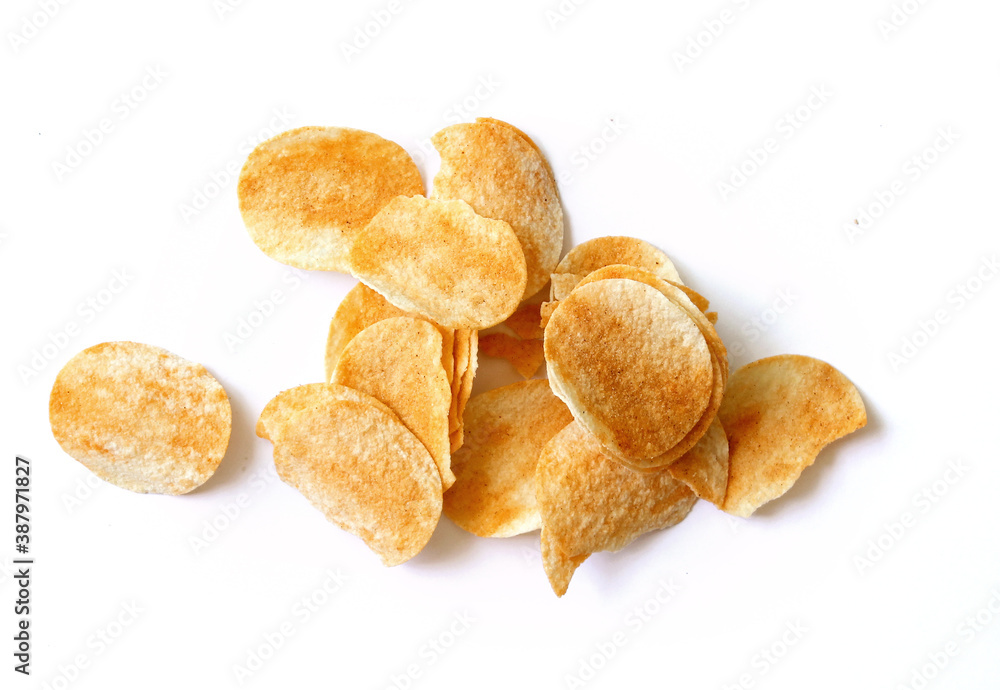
{"x": 307, "y": 194}
{"x": 398, "y": 361}
{"x": 589, "y": 502}
{"x": 505, "y": 430}
{"x": 441, "y": 260}
{"x": 779, "y": 413}
{"x": 361, "y": 308}
{"x": 469, "y": 374}
{"x": 563, "y": 284}
{"x": 526, "y": 355}
{"x": 279, "y": 411}
{"x": 546, "y": 312}
{"x": 366, "y": 472}
{"x": 559, "y": 567}
{"x": 606, "y": 251}
{"x": 526, "y": 322}
{"x": 632, "y": 366}
{"x": 140, "y": 417}
{"x": 502, "y": 174}
{"x": 705, "y": 468}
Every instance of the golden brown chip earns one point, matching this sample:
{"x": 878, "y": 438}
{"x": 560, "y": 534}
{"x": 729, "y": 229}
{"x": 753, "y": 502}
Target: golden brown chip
{"x": 441, "y": 260}
{"x": 505, "y": 430}
{"x": 631, "y": 365}
{"x": 526, "y": 355}
{"x": 590, "y": 502}
{"x": 365, "y": 471}
{"x": 713, "y": 317}
{"x": 559, "y": 567}
{"x": 275, "y": 416}
{"x": 526, "y": 322}
{"x": 605, "y": 251}
{"x": 779, "y": 413}
{"x": 398, "y": 361}
{"x": 705, "y": 468}
{"x": 308, "y": 193}
{"x": 360, "y": 308}
{"x": 502, "y": 174}
{"x": 140, "y": 417}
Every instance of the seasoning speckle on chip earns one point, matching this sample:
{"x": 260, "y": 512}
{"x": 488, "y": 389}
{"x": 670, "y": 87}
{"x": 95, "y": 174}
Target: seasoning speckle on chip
{"x": 140, "y": 417}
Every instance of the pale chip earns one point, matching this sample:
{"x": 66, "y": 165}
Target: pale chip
{"x": 441, "y": 260}
{"x": 365, "y": 471}
{"x": 590, "y": 502}
{"x": 398, "y": 361}
{"x": 606, "y": 251}
{"x": 275, "y": 416}
{"x": 360, "y": 308}
{"x": 505, "y": 431}
{"x": 779, "y": 413}
{"x": 527, "y": 356}
{"x": 140, "y": 417}
{"x": 563, "y": 284}
{"x": 705, "y": 468}
{"x": 307, "y": 194}
{"x": 632, "y": 366}
{"x": 502, "y": 174}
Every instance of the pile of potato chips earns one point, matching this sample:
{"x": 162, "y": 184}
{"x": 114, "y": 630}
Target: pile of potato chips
{"x": 638, "y": 418}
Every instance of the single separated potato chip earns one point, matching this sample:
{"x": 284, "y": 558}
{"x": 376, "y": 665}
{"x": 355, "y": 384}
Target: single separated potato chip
{"x": 441, "y": 260}
{"x": 398, "y": 361}
{"x": 590, "y": 502}
{"x": 140, "y": 417}
{"x": 502, "y": 174}
{"x": 505, "y": 431}
{"x": 632, "y": 366}
{"x": 779, "y": 413}
{"x": 365, "y": 471}
{"x": 606, "y": 251}
{"x": 279, "y": 411}
{"x": 308, "y": 193}
{"x": 526, "y": 355}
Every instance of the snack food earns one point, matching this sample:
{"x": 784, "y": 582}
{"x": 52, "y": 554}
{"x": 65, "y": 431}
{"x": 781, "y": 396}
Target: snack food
{"x": 443, "y": 261}
{"x": 502, "y": 174}
{"x": 307, "y": 194}
{"x": 779, "y": 412}
{"x": 140, "y": 417}
{"x": 506, "y": 429}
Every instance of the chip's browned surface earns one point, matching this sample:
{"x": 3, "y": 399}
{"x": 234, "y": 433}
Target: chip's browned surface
{"x": 559, "y": 567}
{"x": 505, "y": 431}
{"x": 499, "y": 171}
{"x": 308, "y": 193}
{"x": 398, "y": 361}
{"x": 631, "y": 365}
{"x": 778, "y": 413}
{"x": 705, "y": 468}
{"x": 443, "y": 261}
{"x": 365, "y": 471}
{"x": 140, "y": 417}
{"x": 527, "y": 356}
{"x": 606, "y": 251}
{"x": 275, "y": 416}
{"x": 590, "y": 502}
{"x": 526, "y": 322}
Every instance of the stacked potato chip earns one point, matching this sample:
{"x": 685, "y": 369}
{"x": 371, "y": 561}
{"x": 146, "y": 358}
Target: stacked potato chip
{"x": 637, "y": 420}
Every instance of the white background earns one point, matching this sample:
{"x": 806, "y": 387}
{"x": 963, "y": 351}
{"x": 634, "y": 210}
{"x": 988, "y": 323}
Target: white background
{"x": 192, "y": 277}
